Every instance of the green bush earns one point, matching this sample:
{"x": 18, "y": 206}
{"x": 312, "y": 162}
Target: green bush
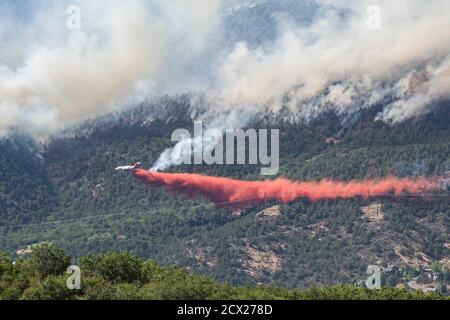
{"x": 47, "y": 259}
{"x": 52, "y": 288}
{"x": 97, "y": 288}
{"x": 119, "y": 267}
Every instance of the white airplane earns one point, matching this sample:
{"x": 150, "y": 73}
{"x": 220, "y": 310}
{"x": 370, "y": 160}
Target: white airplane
{"x": 129, "y": 168}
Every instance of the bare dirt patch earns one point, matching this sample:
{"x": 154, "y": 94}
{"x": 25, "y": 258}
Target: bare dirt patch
{"x": 373, "y": 212}
{"x": 259, "y": 260}
{"x": 270, "y": 213}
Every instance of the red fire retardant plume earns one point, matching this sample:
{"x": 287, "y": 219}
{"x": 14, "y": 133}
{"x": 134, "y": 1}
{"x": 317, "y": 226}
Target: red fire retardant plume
{"x": 226, "y": 190}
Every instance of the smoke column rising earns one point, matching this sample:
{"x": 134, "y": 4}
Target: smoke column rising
{"x": 223, "y": 190}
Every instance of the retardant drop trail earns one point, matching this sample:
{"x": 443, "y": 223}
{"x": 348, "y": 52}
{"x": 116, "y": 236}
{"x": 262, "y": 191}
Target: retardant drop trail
{"x": 225, "y": 190}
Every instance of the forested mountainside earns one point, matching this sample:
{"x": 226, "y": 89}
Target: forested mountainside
{"x": 68, "y": 193}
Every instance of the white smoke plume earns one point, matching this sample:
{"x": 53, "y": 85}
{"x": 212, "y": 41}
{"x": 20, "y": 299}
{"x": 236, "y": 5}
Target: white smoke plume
{"x": 417, "y": 91}
{"x": 412, "y": 33}
{"x": 175, "y": 155}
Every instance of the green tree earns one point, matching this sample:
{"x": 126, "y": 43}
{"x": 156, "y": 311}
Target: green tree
{"x": 120, "y": 267}
{"x": 48, "y": 259}
{"x": 52, "y": 288}
{"x": 13, "y": 281}
{"x": 97, "y": 288}
{"x": 179, "y": 284}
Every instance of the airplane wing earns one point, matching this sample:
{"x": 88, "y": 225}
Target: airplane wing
{"x": 129, "y": 168}
{"x": 124, "y": 168}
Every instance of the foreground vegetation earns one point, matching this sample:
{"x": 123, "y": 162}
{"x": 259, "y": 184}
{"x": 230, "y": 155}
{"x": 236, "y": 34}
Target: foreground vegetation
{"x": 121, "y": 276}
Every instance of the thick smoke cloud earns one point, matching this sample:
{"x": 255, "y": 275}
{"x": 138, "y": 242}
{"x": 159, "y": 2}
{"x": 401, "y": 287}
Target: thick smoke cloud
{"x": 51, "y": 76}
{"x": 417, "y": 91}
{"x": 339, "y": 47}
{"x": 123, "y": 51}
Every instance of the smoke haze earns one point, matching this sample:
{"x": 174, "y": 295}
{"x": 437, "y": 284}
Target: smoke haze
{"x": 51, "y": 76}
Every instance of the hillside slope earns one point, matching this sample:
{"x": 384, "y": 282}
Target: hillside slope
{"x": 69, "y": 194}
